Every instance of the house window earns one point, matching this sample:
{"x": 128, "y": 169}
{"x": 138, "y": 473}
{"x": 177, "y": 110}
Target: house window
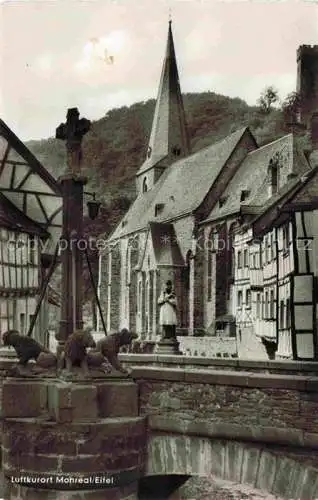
{"x": 286, "y": 238}
{"x": 239, "y": 298}
{"x": 281, "y": 314}
{"x": 246, "y": 258}
{"x": 144, "y": 185}
{"x": 258, "y": 305}
{"x": 32, "y": 250}
{"x": 272, "y": 305}
{"x": 288, "y": 322}
{"x": 266, "y": 249}
{"x": 22, "y": 323}
{"x": 254, "y": 264}
{"x": 273, "y": 245}
{"x": 269, "y": 248}
{"x": 239, "y": 259}
{"x": 248, "y": 298}
{"x": 265, "y": 313}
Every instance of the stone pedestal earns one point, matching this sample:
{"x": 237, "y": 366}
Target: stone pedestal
{"x": 167, "y": 346}
{"x": 70, "y": 440}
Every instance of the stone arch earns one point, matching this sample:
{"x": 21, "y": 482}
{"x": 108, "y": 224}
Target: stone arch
{"x": 268, "y": 469}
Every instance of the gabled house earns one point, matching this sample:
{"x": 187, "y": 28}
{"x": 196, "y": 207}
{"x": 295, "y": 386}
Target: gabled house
{"x": 283, "y": 305}
{"x": 30, "y": 225}
{"x": 262, "y": 175}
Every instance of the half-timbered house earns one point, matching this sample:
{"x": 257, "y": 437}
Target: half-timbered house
{"x": 291, "y": 223}
{"x": 30, "y": 225}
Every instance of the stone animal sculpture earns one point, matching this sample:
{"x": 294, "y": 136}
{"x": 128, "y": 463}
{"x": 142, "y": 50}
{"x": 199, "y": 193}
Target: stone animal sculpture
{"x": 110, "y": 346}
{"x": 28, "y": 348}
{"x": 76, "y": 346}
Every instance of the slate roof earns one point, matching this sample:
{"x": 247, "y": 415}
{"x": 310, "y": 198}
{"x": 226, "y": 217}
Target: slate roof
{"x": 165, "y": 245}
{"x": 304, "y": 191}
{"x": 181, "y": 188}
{"x": 169, "y": 128}
{"x": 252, "y": 176}
{"x": 13, "y": 219}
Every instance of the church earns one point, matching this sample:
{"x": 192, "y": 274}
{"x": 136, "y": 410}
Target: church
{"x": 30, "y": 225}
{"x": 209, "y": 220}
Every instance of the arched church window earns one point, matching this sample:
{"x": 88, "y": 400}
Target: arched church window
{"x": 211, "y": 248}
{"x": 189, "y": 256}
{"x": 144, "y": 185}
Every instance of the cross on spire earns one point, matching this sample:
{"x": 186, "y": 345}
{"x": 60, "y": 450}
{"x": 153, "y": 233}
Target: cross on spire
{"x": 170, "y": 16}
{"x": 73, "y": 132}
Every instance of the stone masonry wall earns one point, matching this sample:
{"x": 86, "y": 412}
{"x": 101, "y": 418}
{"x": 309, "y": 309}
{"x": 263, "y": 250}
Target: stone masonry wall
{"x": 279, "y": 409}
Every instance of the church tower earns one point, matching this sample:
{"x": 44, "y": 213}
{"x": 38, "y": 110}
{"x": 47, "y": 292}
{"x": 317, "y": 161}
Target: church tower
{"x": 169, "y": 136}
{"x": 307, "y": 81}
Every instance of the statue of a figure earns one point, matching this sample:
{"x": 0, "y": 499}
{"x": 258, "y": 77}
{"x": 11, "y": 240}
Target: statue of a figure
{"x": 168, "y": 311}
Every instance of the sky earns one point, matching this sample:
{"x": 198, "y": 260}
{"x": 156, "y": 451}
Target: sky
{"x": 102, "y": 54}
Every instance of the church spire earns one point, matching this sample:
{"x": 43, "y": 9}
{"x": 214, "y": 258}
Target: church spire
{"x": 169, "y": 137}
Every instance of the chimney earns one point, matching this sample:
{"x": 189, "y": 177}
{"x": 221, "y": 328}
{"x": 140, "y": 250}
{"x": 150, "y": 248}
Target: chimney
{"x": 314, "y": 140}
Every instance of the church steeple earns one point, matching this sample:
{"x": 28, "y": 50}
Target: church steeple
{"x": 169, "y": 137}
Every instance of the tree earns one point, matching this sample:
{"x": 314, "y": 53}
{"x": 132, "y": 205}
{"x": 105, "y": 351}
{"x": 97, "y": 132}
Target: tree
{"x": 291, "y": 107}
{"x": 268, "y": 97}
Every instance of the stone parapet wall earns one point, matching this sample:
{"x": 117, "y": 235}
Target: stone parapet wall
{"x": 263, "y": 408}
{"x": 198, "y": 363}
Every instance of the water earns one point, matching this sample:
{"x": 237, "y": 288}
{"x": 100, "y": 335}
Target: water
{"x": 199, "y": 488}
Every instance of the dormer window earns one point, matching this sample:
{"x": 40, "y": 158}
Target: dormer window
{"x": 273, "y": 177}
{"x": 144, "y": 185}
{"x": 176, "y": 151}
{"x": 158, "y": 208}
{"x": 124, "y": 222}
{"x": 222, "y": 202}
{"x": 244, "y": 194}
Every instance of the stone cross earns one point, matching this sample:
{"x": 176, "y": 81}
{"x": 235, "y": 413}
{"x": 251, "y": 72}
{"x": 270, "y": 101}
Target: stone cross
{"x": 73, "y": 132}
